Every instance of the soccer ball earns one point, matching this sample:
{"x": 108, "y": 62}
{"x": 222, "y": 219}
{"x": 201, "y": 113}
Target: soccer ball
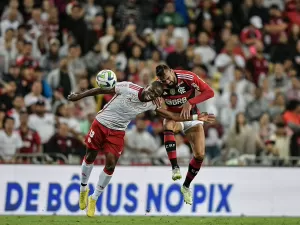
{"x": 106, "y": 79}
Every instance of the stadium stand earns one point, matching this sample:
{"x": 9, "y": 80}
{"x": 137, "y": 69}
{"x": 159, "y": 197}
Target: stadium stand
{"x": 248, "y": 51}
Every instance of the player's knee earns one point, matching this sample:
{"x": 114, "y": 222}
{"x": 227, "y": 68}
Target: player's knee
{"x": 199, "y": 155}
{"x": 91, "y": 155}
{"x": 170, "y": 125}
{"x": 110, "y": 162}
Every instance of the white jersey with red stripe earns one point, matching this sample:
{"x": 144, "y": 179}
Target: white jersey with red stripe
{"x": 123, "y": 107}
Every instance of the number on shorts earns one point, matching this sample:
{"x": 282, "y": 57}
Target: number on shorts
{"x": 92, "y": 133}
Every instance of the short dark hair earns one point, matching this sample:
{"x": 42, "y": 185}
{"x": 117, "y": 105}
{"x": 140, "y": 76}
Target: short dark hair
{"x": 158, "y": 86}
{"x": 8, "y": 118}
{"x": 160, "y": 70}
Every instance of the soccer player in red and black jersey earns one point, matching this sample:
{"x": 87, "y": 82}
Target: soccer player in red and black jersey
{"x": 181, "y": 94}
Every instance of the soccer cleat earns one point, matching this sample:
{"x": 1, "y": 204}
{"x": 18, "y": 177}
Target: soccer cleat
{"x": 187, "y": 195}
{"x": 176, "y": 175}
{"x": 91, "y": 207}
{"x": 83, "y": 198}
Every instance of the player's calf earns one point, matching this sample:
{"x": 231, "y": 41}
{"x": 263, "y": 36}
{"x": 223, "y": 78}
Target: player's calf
{"x": 86, "y": 169}
{"x": 106, "y": 175}
{"x": 194, "y": 167}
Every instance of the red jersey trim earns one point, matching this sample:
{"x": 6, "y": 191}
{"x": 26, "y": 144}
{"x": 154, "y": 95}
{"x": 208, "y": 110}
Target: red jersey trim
{"x": 134, "y": 87}
{"x": 185, "y": 76}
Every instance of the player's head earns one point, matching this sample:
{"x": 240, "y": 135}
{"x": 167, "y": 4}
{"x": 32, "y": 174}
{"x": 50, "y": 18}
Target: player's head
{"x": 166, "y": 75}
{"x": 152, "y": 91}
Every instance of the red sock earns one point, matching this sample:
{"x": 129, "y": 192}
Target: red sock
{"x": 170, "y": 145}
{"x": 194, "y": 167}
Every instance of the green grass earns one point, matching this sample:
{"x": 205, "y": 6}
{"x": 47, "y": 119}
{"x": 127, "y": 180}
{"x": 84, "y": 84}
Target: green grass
{"x": 143, "y": 220}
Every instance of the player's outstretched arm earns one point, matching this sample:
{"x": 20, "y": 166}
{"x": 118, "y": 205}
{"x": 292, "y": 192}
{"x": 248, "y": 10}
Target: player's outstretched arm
{"x": 176, "y": 117}
{"x": 91, "y": 92}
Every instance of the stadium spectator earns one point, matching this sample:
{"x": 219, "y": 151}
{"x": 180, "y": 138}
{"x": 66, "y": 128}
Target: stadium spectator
{"x": 278, "y": 105}
{"x": 93, "y": 59}
{"x": 139, "y": 141}
{"x": 31, "y": 139}
{"x": 279, "y": 80}
{"x": 257, "y": 107}
{"x": 62, "y": 78}
{"x": 86, "y": 123}
{"x": 18, "y": 106}
{"x": 251, "y": 34}
{"x": 64, "y": 144}
{"x": 42, "y": 122}
{"x": 242, "y": 136}
{"x": 269, "y": 155}
{"x": 11, "y": 22}
{"x": 76, "y": 25}
{"x": 292, "y": 115}
{"x": 264, "y": 127}
{"x": 275, "y": 26}
{"x": 35, "y": 95}
{"x": 169, "y": 17}
{"x": 293, "y": 93}
{"x": 257, "y": 66}
{"x": 50, "y": 61}
{"x": 10, "y": 141}
{"x": 13, "y": 4}
{"x": 213, "y": 144}
{"x": 228, "y": 113}
{"x": 206, "y": 52}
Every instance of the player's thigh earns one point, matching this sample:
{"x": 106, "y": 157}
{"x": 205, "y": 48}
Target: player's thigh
{"x": 172, "y": 125}
{"x": 95, "y": 138}
{"x": 196, "y": 138}
{"x": 90, "y": 155}
{"x": 114, "y": 143}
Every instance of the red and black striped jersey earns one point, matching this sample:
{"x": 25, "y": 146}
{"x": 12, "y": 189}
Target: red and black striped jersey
{"x": 185, "y": 90}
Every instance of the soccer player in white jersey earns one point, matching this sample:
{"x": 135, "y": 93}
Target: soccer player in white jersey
{"x": 108, "y": 129}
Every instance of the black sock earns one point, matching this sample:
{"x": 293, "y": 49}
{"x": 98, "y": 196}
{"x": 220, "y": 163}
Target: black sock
{"x": 170, "y": 145}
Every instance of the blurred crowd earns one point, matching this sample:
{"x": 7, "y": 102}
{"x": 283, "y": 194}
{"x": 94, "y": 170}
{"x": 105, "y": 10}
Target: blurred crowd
{"x": 248, "y": 51}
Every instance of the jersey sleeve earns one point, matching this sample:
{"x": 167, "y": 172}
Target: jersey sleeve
{"x": 205, "y": 90}
{"x": 122, "y": 87}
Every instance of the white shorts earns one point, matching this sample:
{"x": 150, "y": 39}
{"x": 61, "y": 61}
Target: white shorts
{"x": 189, "y": 124}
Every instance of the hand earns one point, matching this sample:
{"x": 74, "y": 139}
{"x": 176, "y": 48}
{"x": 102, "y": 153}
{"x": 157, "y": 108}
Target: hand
{"x": 73, "y": 96}
{"x": 186, "y": 110}
{"x": 209, "y": 118}
{"x": 158, "y": 102}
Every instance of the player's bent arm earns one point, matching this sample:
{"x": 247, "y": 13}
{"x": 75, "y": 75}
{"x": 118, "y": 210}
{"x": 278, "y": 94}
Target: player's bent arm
{"x": 171, "y": 116}
{"x": 90, "y": 92}
{"x": 206, "y": 91}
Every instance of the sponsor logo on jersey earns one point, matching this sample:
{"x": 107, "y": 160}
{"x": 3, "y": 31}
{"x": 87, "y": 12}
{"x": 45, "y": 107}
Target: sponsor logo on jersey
{"x": 178, "y": 101}
{"x": 172, "y": 92}
{"x": 181, "y": 90}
